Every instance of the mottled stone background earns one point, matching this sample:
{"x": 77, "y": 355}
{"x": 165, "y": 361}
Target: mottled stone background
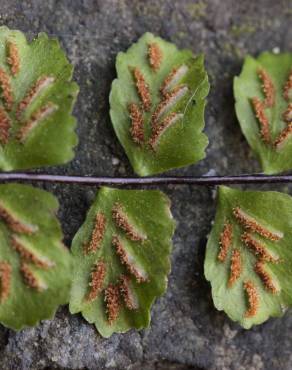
{"x": 186, "y": 332}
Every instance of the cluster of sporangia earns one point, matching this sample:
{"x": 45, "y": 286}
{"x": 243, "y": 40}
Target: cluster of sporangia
{"x": 14, "y": 123}
{"x": 18, "y": 228}
{"x": 250, "y": 226}
{"x": 170, "y": 92}
{"x": 113, "y": 292}
{"x": 269, "y": 101}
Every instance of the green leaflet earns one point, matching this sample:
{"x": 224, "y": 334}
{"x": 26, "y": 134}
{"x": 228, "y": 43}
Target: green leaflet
{"x": 37, "y": 97}
{"x": 266, "y": 121}
{"x": 121, "y": 257}
{"x": 255, "y": 232}
{"x": 35, "y": 267}
{"x": 157, "y": 105}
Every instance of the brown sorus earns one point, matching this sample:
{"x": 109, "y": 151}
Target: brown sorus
{"x": 235, "y": 267}
{"x": 287, "y": 115}
{"x": 41, "y": 84}
{"x": 143, "y": 89}
{"x": 6, "y": 89}
{"x": 259, "y": 109}
{"x": 268, "y": 87}
{"x": 127, "y": 293}
{"x": 30, "y": 278}
{"x": 160, "y": 128}
{"x": 155, "y": 56}
{"x": 121, "y": 220}
{"x": 41, "y": 114}
{"x": 288, "y": 87}
{"x": 28, "y": 255}
{"x": 225, "y": 241}
{"x": 13, "y": 58}
{"x": 265, "y": 277}
{"x": 97, "y": 233}
{"x": 5, "y": 125}
{"x": 97, "y": 279}
{"x": 5, "y": 280}
{"x": 283, "y": 136}
{"x": 253, "y": 298}
{"x": 139, "y": 274}
{"x": 258, "y": 248}
{"x": 14, "y": 224}
{"x": 167, "y": 80}
{"x": 137, "y": 126}
{"x": 113, "y": 304}
{"x": 251, "y": 224}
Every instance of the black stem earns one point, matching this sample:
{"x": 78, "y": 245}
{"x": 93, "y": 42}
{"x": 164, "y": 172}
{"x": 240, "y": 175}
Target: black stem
{"x": 142, "y": 181}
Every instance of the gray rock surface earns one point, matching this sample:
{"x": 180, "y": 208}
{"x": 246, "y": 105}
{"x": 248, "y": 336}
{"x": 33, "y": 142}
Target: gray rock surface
{"x": 186, "y": 332}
